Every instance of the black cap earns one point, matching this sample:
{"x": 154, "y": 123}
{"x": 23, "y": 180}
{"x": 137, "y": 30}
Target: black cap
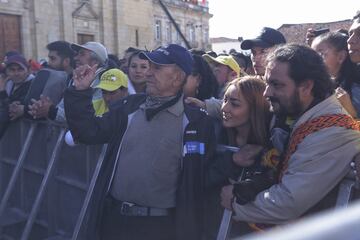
{"x": 268, "y": 37}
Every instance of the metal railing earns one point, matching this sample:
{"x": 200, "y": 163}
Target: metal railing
{"x": 45, "y": 185}
{"x": 46, "y": 188}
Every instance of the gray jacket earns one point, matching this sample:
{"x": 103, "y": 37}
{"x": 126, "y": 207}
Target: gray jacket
{"x": 319, "y": 163}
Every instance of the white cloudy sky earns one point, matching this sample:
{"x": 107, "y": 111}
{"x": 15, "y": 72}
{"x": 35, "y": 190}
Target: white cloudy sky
{"x": 234, "y": 18}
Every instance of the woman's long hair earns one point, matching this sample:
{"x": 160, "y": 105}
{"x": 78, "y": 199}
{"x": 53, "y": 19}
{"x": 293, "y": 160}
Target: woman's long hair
{"x": 252, "y": 88}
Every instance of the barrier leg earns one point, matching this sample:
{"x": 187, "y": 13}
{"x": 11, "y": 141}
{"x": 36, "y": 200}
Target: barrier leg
{"x": 225, "y": 225}
{"x": 89, "y": 194}
{"x": 43, "y": 186}
{"x": 17, "y": 168}
{"x": 345, "y": 193}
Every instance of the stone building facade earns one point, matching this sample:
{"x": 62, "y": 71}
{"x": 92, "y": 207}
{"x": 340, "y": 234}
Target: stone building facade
{"x": 29, "y": 25}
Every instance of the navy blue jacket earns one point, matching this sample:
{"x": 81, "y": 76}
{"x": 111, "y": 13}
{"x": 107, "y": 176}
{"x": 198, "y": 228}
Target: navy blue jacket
{"x": 200, "y": 171}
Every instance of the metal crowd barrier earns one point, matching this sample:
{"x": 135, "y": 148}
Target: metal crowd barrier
{"x": 45, "y": 185}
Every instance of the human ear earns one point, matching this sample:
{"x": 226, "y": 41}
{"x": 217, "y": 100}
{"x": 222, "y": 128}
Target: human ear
{"x": 233, "y": 75}
{"x": 66, "y": 62}
{"x": 306, "y": 87}
{"x": 179, "y": 79}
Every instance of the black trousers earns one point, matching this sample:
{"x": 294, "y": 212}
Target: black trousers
{"x": 119, "y": 227}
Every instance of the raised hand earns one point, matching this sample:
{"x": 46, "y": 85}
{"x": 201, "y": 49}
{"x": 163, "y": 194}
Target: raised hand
{"x": 195, "y": 102}
{"x": 84, "y": 76}
{"x": 3, "y": 81}
{"x": 345, "y": 100}
{"x": 310, "y": 35}
{"x": 40, "y": 108}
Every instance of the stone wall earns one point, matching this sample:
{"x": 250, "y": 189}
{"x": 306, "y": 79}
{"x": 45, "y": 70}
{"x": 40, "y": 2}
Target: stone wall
{"x": 118, "y": 24}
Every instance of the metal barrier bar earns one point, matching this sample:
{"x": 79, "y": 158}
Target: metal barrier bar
{"x": 17, "y": 169}
{"x": 345, "y": 193}
{"x": 225, "y": 225}
{"x": 89, "y": 194}
{"x": 44, "y": 183}
{"x": 55, "y": 226}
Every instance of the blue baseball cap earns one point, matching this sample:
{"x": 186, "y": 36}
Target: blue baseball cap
{"x": 171, "y": 54}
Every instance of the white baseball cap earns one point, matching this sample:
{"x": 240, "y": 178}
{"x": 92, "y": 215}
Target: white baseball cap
{"x": 96, "y": 47}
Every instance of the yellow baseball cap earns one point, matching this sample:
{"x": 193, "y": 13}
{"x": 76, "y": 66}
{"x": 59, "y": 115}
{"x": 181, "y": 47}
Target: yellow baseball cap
{"x": 113, "y": 79}
{"x": 225, "y": 60}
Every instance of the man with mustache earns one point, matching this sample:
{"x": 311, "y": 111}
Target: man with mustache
{"x": 152, "y": 179}
{"x": 316, "y": 155}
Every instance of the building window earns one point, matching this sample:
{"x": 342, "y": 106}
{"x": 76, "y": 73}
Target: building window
{"x": 84, "y": 38}
{"x": 206, "y": 36}
{"x": 191, "y": 33}
{"x": 158, "y": 30}
{"x": 168, "y": 32}
{"x": 137, "y": 37}
{"x": 177, "y": 35}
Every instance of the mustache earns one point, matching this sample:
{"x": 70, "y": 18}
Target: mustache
{"x": 272, "y": 99}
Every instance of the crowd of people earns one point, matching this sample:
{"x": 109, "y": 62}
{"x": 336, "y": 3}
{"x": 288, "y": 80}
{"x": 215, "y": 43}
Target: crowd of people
{"x": 190, "y": 133}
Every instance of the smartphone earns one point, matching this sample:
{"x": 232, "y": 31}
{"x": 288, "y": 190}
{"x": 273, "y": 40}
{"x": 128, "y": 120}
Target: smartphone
{"x": 321, "y": 31}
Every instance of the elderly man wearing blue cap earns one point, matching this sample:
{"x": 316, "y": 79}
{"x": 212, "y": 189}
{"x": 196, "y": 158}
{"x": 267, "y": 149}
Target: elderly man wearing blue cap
{"x": 153, "y": 179}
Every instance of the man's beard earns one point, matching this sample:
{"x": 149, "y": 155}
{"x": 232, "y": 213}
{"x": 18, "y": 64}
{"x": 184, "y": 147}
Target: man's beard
{"x": 60, "y": 68}
{"x": 292, "y": 109}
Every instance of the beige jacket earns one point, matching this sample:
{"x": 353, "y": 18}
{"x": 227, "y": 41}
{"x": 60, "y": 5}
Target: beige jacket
{"x": 321, "y": 160}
